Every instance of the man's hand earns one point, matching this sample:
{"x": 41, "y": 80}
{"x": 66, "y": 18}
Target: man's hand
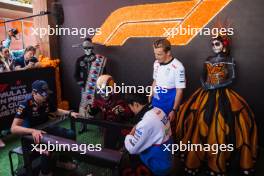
{"x": 30, "y": 65}
{"x": 150, "y": 98}
{"x": 172, "y": 116}
{"x": 37, "y": 135}
{"x": 74, "y": 114}
{"x": 37, "y": 46}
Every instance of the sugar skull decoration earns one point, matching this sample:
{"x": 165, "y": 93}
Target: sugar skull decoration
{"x": 105, "y": 85}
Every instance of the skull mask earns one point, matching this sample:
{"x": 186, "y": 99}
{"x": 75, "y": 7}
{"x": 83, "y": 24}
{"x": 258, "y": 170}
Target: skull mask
{"x": 217, "y": 46}
{"x": 87, "y": 47}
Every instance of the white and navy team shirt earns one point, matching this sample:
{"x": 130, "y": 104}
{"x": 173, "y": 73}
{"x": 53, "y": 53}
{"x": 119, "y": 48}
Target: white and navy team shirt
{"x": 151, "y": 133}
{"x": 170, "y": 75}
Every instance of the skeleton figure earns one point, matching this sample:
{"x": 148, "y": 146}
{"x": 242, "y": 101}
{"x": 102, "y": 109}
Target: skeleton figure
{"x": 217, "y": 115}
{"x": 83, "y": 64}
{"x": 219, "y": 70}
{"x": 87, "y": 70}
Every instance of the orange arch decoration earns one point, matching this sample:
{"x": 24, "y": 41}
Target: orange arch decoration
{"x": 151, "y": 20}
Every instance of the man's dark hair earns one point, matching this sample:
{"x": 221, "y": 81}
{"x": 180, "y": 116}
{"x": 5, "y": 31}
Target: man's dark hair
{"x": 30, "y": 48}
{"x": 1, "y": 48}
{"x": 136, "y": 98}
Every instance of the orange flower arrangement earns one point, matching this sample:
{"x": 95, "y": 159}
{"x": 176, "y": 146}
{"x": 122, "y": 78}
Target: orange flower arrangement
{"x": 47, "y": 62}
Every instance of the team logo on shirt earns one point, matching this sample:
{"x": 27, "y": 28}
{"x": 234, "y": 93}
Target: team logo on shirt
{"x": 20, "y": 109}
{"x": 131, "y": 142}
{"x": 137, "y": 136}
{"x": 182, "y": 76}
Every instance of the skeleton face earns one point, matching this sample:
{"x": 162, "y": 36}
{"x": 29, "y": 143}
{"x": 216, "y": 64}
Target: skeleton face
{"x": 87, "y": 48}
{"x": 217, "y": 46}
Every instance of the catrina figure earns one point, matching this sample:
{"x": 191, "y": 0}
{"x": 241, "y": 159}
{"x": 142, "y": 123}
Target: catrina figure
{"x": 218, "y": 119}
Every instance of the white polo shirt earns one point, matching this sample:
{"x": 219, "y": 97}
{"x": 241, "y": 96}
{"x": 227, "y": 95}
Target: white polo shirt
{"x": 170, "y": 75}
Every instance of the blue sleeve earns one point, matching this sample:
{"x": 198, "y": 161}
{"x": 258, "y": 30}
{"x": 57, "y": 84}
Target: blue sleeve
{"x": 17, "y": 53}
{"x": 18, "y": 62}
{"x": 7, "y": 42}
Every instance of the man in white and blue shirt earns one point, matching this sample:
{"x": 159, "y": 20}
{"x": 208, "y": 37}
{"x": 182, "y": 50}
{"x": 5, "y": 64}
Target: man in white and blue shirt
{"x": 169, "y": 79}
{"x": 149, "y": 137}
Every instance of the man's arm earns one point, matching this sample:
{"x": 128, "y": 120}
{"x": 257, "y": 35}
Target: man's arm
{"x": 18, "y": 129}
{"x": 177, "y": 103}
{"x": 154, "y": 76}
{"x": 139, "y": 139}
{"x": 61, "y": 112}
{"x": 152, "y": 90}
{"x": 178, "y": 99}
{"x": 7, "y": 42}
{"x": 17, "y": 125}
{"x": 180, "y": 83}
{"x": 18, "y": 67}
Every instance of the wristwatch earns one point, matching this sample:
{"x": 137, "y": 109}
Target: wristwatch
{"x": 175, "y": 110}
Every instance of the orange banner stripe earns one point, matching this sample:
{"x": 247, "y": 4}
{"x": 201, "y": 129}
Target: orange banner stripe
{"x": 139, "y": 30}
{"x": 199, "y": 18}
{"x": 150, "y": 21}
{"x": 142, "y": 13}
